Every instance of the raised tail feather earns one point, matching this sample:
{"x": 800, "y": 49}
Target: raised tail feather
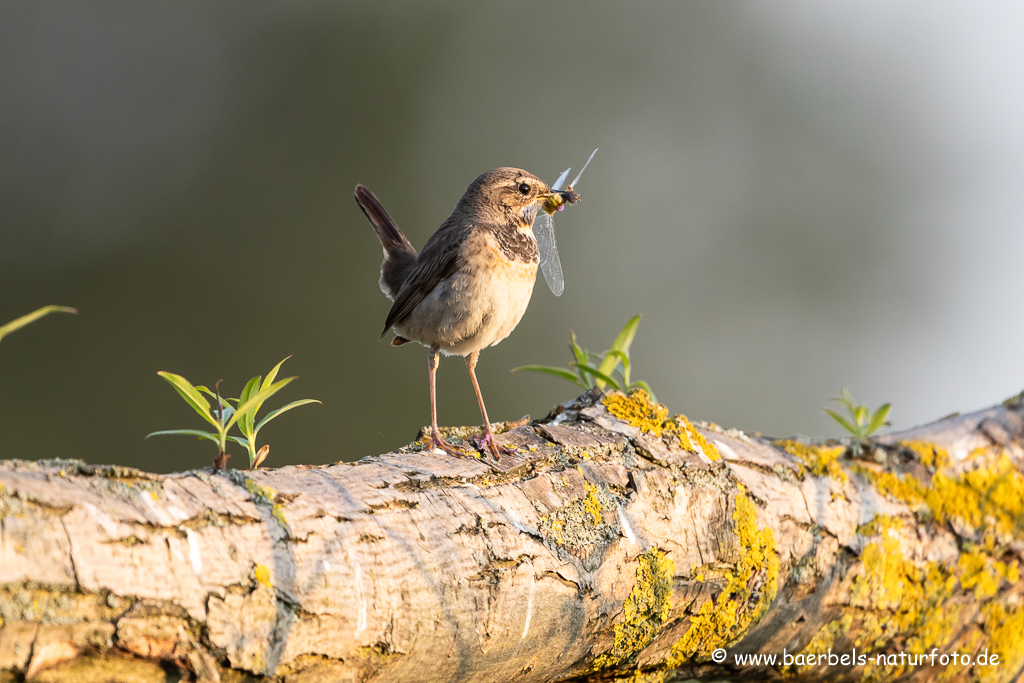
{"x": 399, "y": 256}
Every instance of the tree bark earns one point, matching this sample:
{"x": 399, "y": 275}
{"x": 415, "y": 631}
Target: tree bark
{"x": 617, "y": 543}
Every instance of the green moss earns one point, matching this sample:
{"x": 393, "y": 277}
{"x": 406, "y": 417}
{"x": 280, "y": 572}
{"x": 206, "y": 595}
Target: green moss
{"x": 266, "y": 495}
{"x": 821, "y": 460}
{"x": 721, "y": 621}
{"x": 645, "y": 611}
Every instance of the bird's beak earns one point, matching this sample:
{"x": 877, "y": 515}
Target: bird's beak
{"x": 557, "y": 200}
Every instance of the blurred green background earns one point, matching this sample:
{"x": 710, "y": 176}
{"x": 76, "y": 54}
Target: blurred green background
{"x": 797, "y": 196}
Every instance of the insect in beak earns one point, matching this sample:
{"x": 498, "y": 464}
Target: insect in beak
{"x": 556, "y": 201}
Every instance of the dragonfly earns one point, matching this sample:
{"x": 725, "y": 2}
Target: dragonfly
{"x": 544, "y": 230}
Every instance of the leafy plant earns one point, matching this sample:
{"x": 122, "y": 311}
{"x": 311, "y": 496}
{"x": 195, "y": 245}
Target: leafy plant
{"x": 19, "y": 323}
{"x": 230, "y": 412}
{"x": 862, "y": 423}
{"x": 589, "y": 370}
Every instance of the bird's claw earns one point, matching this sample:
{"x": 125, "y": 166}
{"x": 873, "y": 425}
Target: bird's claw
{"x": 496, "y": 450}
{"x": 437, "y": 442}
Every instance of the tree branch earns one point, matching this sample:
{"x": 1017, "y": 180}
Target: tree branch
{"x": 617, "y": 543}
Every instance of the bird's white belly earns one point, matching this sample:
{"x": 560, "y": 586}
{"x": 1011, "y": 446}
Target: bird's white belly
{"x": 475, "y": 308}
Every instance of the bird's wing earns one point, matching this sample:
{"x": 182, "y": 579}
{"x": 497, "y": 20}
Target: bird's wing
{"x": 438, "y": 260}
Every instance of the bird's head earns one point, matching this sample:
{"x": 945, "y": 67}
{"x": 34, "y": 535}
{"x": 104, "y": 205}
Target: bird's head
{"x": 515, "y": 196}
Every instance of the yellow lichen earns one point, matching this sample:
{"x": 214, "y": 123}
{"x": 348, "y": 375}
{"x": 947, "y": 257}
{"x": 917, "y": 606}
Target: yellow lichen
{"x": 821, "y": 460}
{"x": 690, "y": 439}
{"x": 898, "y": 597}
{"x": 721, "y": 621}
{"x": 905, "y": 488}
{"x": 929, "y": 454}
{"x": 1004, "y": 624}
{"x": 980, "y": 572}
{"x": 644, "y": 611}
{"x": 579, "y": 522}
{"x": 262, "y": 574}
{"x": 637, "y": 409}
{"x": 987, "y": 498}
{"x": 652, "y": 418}
{"x": 592, "y": 504}
{"x": 265, "y": 495}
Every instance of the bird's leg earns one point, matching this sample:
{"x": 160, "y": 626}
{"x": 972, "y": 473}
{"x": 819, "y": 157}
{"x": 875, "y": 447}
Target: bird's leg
{"x": 488, "y": 439}
{"x": 435, "y": 434}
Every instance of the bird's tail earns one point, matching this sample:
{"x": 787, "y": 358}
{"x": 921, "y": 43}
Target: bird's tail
{"x": 399, "y": 255}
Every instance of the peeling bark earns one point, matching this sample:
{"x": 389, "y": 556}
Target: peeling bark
{"x": 617, "y": 543}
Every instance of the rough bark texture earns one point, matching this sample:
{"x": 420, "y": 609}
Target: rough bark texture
{"x": 618, "y": 543}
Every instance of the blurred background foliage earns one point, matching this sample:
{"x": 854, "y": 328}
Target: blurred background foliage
{"x": 798, "y": 196}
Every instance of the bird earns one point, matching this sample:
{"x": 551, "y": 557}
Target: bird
{"x": 472, "y": 282}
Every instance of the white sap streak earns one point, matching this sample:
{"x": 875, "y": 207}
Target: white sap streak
{"x": 108, "y": 525}
{"x": 626, "y": 528}
{"x": 725, "y": 449}
{"x": 193, "y": 552}
{"x": 529, "y": 605}
{"x": 166, "y": 515}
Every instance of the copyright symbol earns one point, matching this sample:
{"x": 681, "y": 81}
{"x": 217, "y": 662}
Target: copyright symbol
{"x": 718, "y": 656}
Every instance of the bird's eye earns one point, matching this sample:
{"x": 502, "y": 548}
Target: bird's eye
{"x": 524, "y": 189}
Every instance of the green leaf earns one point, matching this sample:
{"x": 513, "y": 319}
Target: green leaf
{"x": 274, "y": 413}
{"x": 600, "y": 376}
{"x": 861, "y": 415}
{"x": 557, "y": 372}
{"x": 843, "y": 422}
{"x": 186, "y": 432}
{"x": 847, "y": 400}
{"x": 272, "y": 375}
{"x": 578, "y": 352}
{"x": 262, "y": 395}
{"x": 246, "y": 420}
{"x": 241, "y": 441}
{"x": 878, "y": 419}
{"x": 191, "y": 396}
{"x": 29, "y": 318}
{"x": 625, "y": 338}
{"x": 624, "y": 360}
{"x": 621, "y": 345}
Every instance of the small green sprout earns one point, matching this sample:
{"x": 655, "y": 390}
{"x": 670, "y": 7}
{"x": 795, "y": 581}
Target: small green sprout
{"x": 862, "y": 422}
{"x": 225, "y": 416}
{"x": 590, "y": 370}
{"x": 19, "y": 323}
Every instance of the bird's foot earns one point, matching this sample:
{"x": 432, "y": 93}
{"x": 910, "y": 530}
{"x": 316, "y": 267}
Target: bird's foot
{"x": 437, "y": 442}
{"x": 487, "y": 441}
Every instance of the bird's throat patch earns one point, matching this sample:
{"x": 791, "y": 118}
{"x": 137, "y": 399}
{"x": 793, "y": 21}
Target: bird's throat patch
{"x": 516, "y": 245}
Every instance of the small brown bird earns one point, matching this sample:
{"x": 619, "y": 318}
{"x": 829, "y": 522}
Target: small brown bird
{"x": 472, "y": 282}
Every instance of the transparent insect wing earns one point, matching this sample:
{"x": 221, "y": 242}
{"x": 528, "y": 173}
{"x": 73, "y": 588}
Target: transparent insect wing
{"x": 550, "y": 266}
{"x": 557, "y": 185}
{"x": 577, "y": 178}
